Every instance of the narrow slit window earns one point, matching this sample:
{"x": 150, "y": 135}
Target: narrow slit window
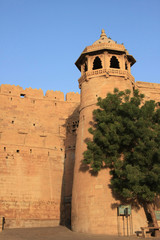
{"x": 126, "y": 66}
{"x": 85, "y": 67}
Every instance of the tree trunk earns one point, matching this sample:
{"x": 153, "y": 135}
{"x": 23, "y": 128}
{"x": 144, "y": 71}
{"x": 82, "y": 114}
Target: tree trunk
{"x": 153, "y": 215}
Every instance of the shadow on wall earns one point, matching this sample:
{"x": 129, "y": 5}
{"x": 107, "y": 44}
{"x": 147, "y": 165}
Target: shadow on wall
{"x": 84, "y": 167}
{"x": 71, "y": 126}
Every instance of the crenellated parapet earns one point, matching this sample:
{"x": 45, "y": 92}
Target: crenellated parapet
{"x": 11, "y": 89}
{"x": 55, "y": 95}
{"x": 73, "y": 97}
{"x": 17, "y": 91}
{"x": 33, "y": 93}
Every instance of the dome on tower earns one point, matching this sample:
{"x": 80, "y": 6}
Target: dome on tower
{"x": 103, "y": 39}
{"x": 103, "y": 44}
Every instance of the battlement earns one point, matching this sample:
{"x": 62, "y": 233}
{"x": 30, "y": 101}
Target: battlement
{"x": 73, "y": 97}
{"x": 147, "y": 85}
{"x": 10, "y": 89}
{"x": 18, "y": 91}
{"x": 55, "y": 95}
{"x": 13, "y": 90}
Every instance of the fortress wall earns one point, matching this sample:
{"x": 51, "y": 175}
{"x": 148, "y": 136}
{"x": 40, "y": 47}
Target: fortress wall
{"x": 12, "y": 90}
{"x": 56, "y": 95}
{"x": 71, "y": 96}
{"x": 19, "y": 91}
{"x": 150, "y": 90}
{"x": 32, "y": 155}
{"x": 28, "y": 190}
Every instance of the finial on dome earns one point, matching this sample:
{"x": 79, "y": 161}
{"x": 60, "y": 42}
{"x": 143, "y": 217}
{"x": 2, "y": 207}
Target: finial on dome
{"x": 103, "y": 34}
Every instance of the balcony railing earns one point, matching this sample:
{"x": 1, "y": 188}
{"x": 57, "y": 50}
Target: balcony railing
{"x": 107, "y": 72}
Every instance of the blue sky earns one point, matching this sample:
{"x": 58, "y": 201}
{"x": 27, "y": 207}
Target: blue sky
{"x": 40, "y": 40}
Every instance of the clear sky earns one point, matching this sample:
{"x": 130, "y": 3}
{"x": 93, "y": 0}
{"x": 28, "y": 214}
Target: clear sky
{"x": 40, "y": 40}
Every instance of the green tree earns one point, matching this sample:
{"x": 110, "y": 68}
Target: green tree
{"x": 126, "y": 139}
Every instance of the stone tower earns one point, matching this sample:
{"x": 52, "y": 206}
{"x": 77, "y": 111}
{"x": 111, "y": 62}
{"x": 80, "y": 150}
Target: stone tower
{"x": 104, "y": 65}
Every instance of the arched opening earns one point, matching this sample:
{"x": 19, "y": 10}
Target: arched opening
{"x": 126, "y": 66}
{"x": 85, "y": 67}
{"x": 97, "y": 63}
{"x": 114, "y": 62}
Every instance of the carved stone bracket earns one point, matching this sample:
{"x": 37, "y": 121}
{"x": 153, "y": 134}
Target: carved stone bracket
{"x": 107, "y": 74}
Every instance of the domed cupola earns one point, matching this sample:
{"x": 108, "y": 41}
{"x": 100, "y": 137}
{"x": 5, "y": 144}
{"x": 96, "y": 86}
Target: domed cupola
{"x": 103, "y": 39}
{"x": 105, "y": 57}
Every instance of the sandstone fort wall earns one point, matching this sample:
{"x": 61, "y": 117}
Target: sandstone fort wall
{"x": 42, "y": 141}
{"x": 37, "y": 152}
{"x": 150, "y": 90}
{"x": 32, "y": 154}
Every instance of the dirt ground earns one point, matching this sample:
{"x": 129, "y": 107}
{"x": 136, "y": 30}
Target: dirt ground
{"x": 56, "y": 233}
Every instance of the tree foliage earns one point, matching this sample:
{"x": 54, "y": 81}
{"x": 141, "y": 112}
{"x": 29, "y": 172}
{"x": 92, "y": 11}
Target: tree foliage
{"x": 126, "y": 139}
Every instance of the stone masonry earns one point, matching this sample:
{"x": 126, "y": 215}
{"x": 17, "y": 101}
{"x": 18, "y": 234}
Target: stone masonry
{"x": 33, "y": 151}
{"x": 38, "y": 137}
{"x": 104, "y": 65}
